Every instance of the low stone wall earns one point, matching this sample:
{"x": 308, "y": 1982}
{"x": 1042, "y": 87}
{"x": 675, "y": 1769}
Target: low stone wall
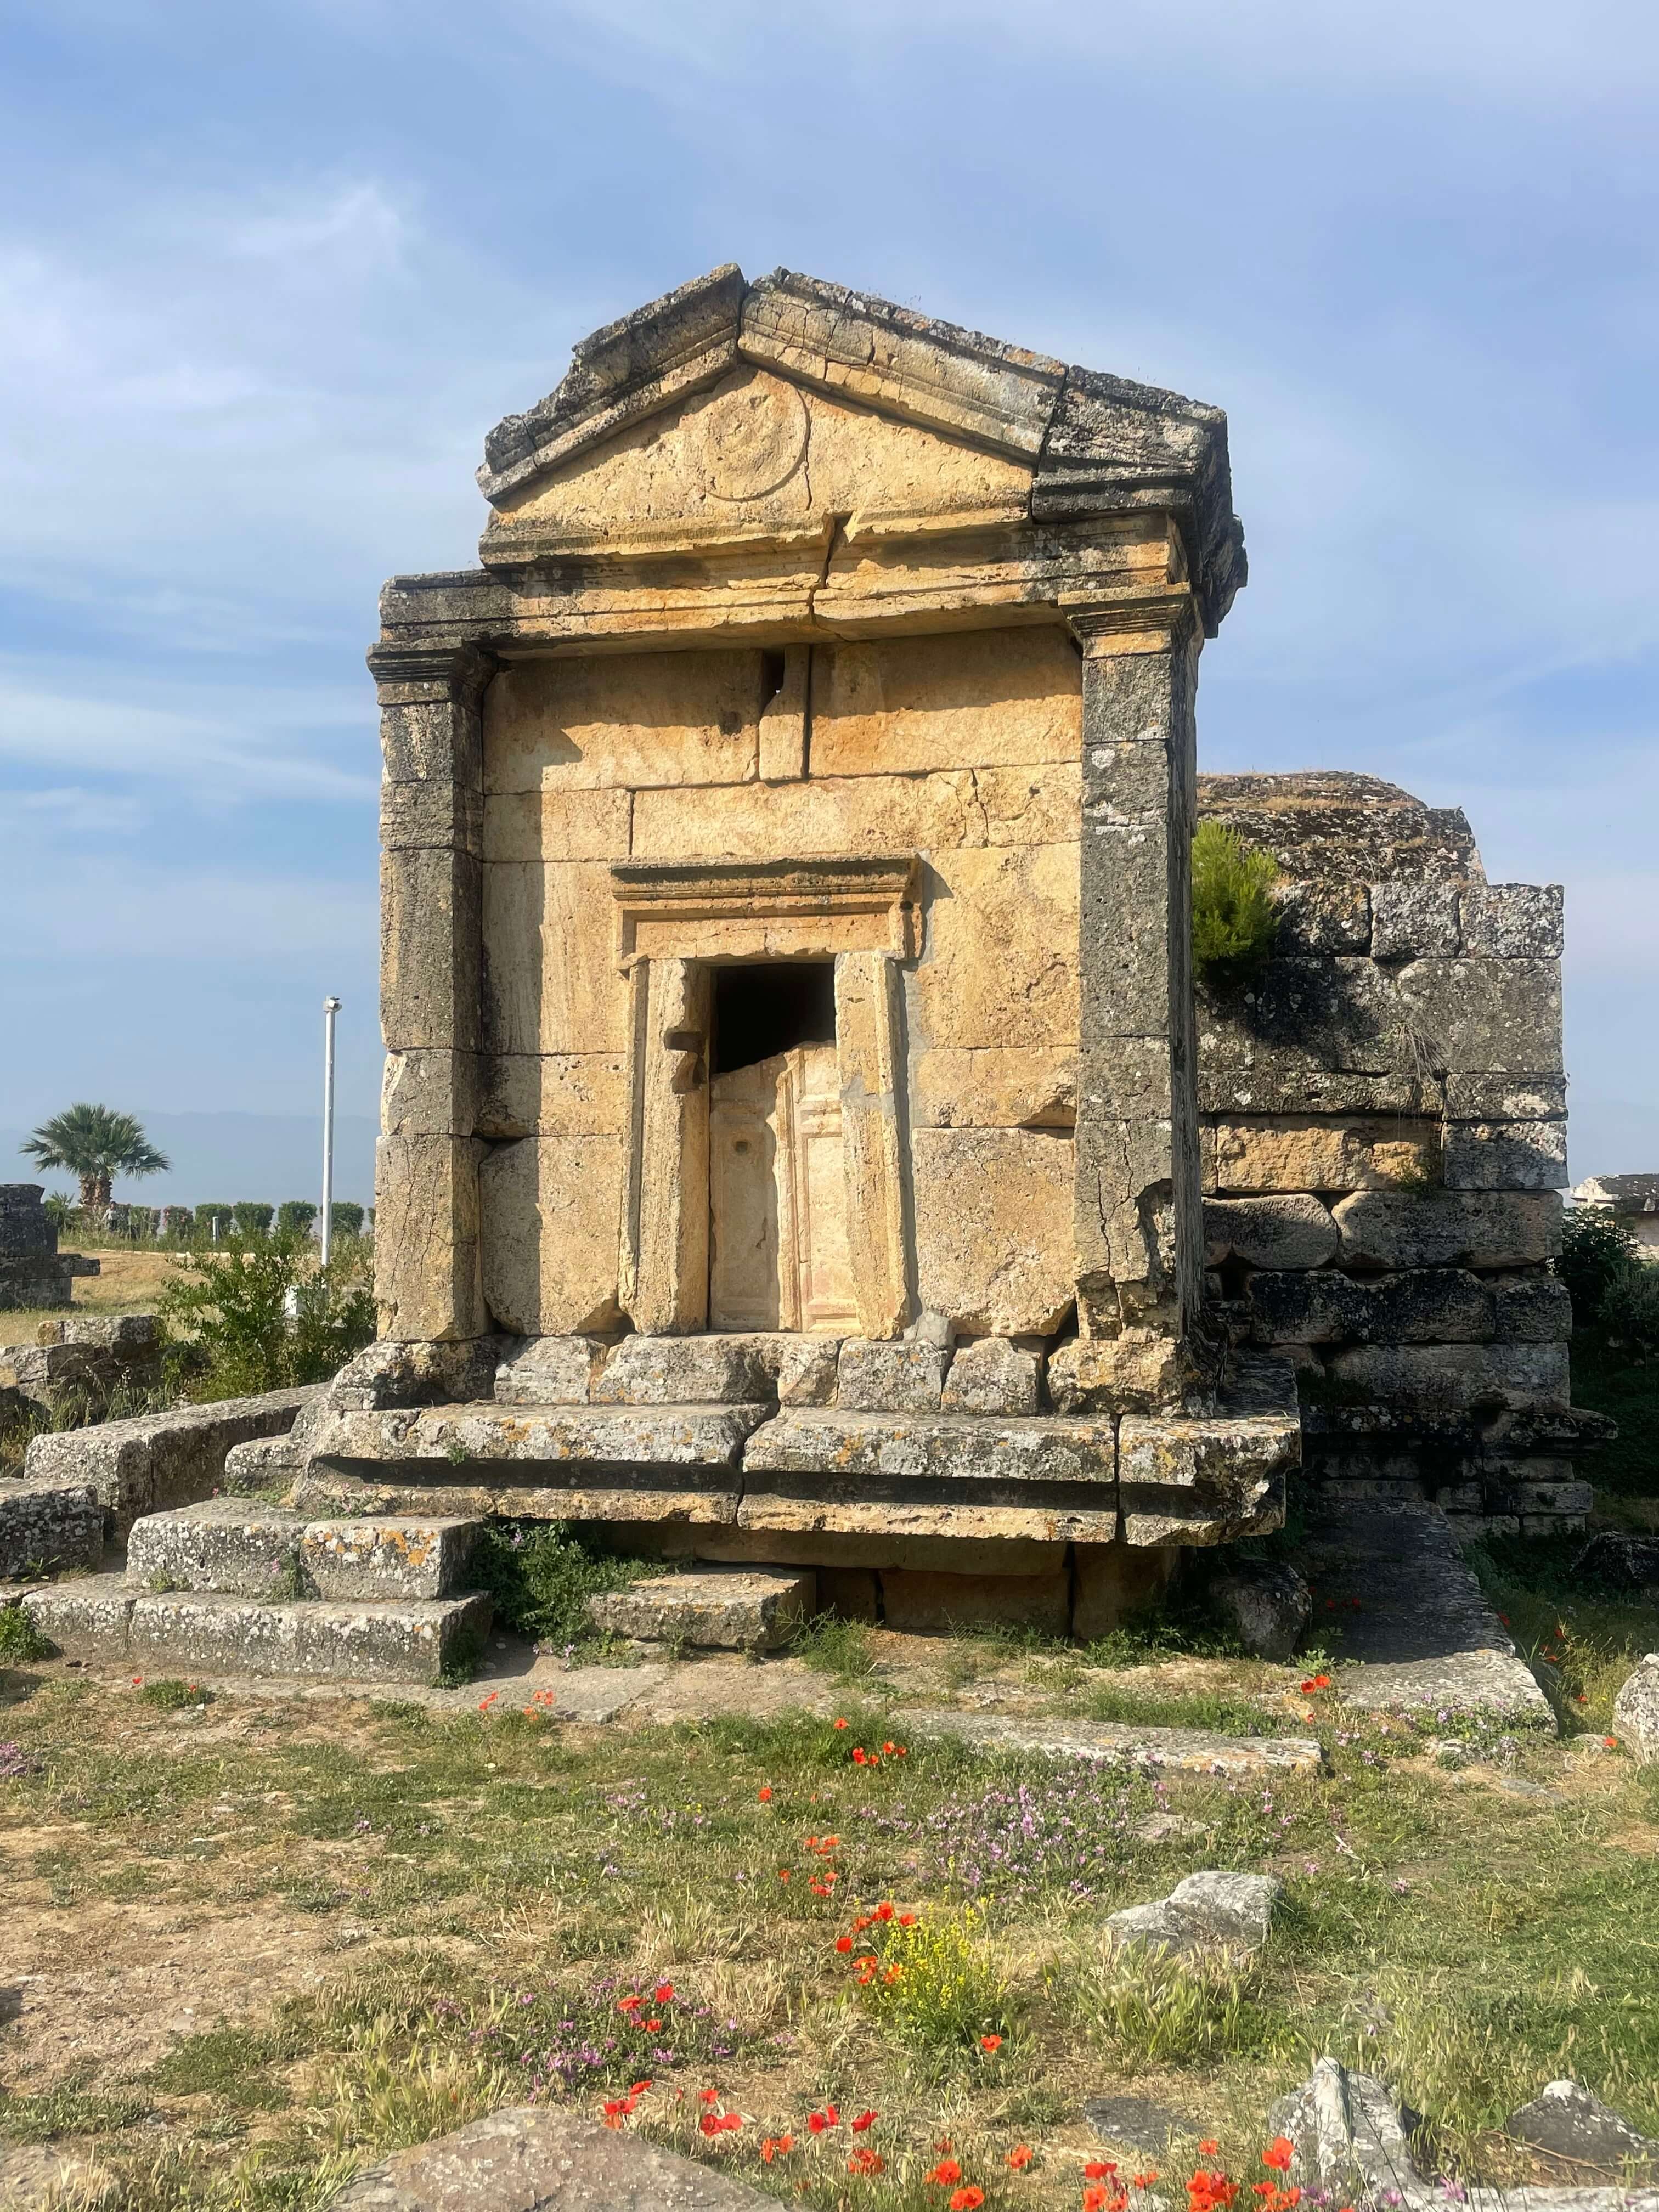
{"x": 1385, "y": 1141}
{"x": 91, "y": 1356}
{"x": 48, "y": 1525}
{"x": 159, "y": 1460}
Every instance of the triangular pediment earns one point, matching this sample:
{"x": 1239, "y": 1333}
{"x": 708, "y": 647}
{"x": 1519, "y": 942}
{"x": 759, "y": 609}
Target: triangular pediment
{"x": 743, "y": 408}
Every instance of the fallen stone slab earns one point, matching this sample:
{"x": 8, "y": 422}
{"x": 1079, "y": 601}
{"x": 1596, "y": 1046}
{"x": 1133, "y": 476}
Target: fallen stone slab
{"x": 1567, "y": 2120}
{"x": 1137, "y": 2122}
{"x": 709, "y": 1609}
{"x": 47, "y": 1525}
{"x": 1422, "y": 1635}
{"x": 1636, "y": 1712}
{"x": 534, "y": 2160}
{"x": 1204, "y": 1911}
{"x": 159, "y": 1460}
{"x": 1191, "y": 1751}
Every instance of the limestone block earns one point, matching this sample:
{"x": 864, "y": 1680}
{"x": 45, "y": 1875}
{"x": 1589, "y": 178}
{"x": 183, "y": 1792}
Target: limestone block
{"x": 683, "y": 1370}
{"x": 392, "y": 1374}
{"x": 218, "y": 1544}
{"x": 1029, "y": 806}
{"x": 974, "y": 1448}
{"x": 1273, "y": 1152}
{"x": 550, "y": 1211}
{"x": 993, "y": 1088}
{"x": 1335, "y": 1016}
{"x": 1234, "y": 1909}
{"x": 549, "y": 1370}
{"x": 993, "y": 1211}
{"x": 260, "y": 1466}
{"x": 1122, "y": 1218}
{"x": 86, "y": 1617}
{"x": 1293, "y": 1231}
{"x": 1488, "y": 1098}
{"x": 438, "y": 814}
{"x": 992, "y": 1376}
{"x": 1348, "y": 2141}
{"x": 879, "y": 1376}
{"x": 154, "y": 1461}
{"x": 48, "y": 1524}
{"x": 869, "y": 1065}
{"x": 807, "y": 1370}
{"x": 554, "y": 1094}
{"x": 427, "y": 1281}
{"x": 825, "y": 814}
{"x": 1204, "y": 1479}
{"x": 1324, "y": 917}
{"x": 1448, "y": 1380}
{"x": 426, "y": 739}
{"x": 850, "y": 1593}
{"x": 550, "y": 979}
{"x": 1485, "y": 1015}
{"x": 934, "y": 1604}
{"x": 1278, "y": 1082}
{"x": 1314, "y": 1306}
{"x": 1533, "y": 1310}
{"x": 665, "y": 1226}
{"x": 430, "y": 918}
{"x": 397, "y": 1556}
{"x": 616, "y": 1439}
{"x": 1448, "y": 1229}
{"x": 1506, "y": 1156}
{"x": 537, "y": 827}
{"x": 1636, "y": 1712}
{"x": 1000, "y": 962}
{"x": 1512, "y": 921}
{"x": 1412, "y": 921}
{"x": 1567, "y": 2119}
{"x": 1126, "y": 1080}
{"x": 1123, "y": 921}
{"x": 429, "y": 1093}
{"x": 710, "y": 1608}
{"x": 961, "y": 699}
{"x": 785, "y": 720}
{"x": 623, "y": 721}
{"x": 1140, "y": 1371}
{"x": 1428, "y": 1305}
{"x": 1114, "y": 1582}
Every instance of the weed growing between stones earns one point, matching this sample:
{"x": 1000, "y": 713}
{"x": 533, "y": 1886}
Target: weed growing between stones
{"x": 541, "y": 1576}
{"x": 843, "y": 1649}
{"x": 170, "y": 1695}
{"x": 20, "y": 1639}
{"x": 1234, "y": 917}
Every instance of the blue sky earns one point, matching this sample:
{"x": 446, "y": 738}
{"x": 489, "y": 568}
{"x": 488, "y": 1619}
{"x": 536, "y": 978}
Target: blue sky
{"x": 268, "y": 274}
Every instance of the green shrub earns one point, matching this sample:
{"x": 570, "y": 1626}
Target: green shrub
{"x": 295, "y": 1217}
{"x": 20, "y": 1639}
{"x": 252, "y": 1218}
{"x": 541, "y": 1577}
{"x": 1594, "y": 1252}
{"x": 258, "y": 1314}
{"x": 1235, "y": 919}
{"x": 347, "y": 1217}
{"x": 1629, "y": 1312}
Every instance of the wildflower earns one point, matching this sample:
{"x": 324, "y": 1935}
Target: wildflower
{"x": 859, "y": 1757}
{"x": 777, "y": 2147}
{"x": 626, "y": 2005}
{"x": 1147, "y": 2180}
{"x": 1609, "y": 1743}
{"x": 945, "y": 2175}
{"x": 843, "y": 1944}
{"x": 1315, "y": 1682}
{"x": 709, "y": 2096}
{"x": 906, "y": 1920}
{"x": 991, "y": 2043}
{"x": 864, "y": 2120}
{"x": 864, "y": 2161}
{"x": 967, "y": 2200}
{"x": 765, "y": 1794}
{"x": 1098, "y": 2169}
{"x": 891, "y": 1749}
{"x": 1094, "y": 2197}
{"x": 651, "y": 2026}
{"x": 1020, "y": 2157}
{"x": 1278, "y": 2154}
{"x": 945, "y": 2145}
{"x": 842, "y": 1723}
{"x": 783, "y": 1874}
{"x": 663, "y": 1993}
{"x": 720, "y": 2123}
{"x": 1208, "y": 2147}
{"x": 883, "y": 1912}
{"x": 828, "y": 2117}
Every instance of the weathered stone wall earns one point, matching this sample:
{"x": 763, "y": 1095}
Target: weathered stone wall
{"x": 962, "y": 749}
{"x": 1384, "y": 1140}
{"x": 33, "y": 1274}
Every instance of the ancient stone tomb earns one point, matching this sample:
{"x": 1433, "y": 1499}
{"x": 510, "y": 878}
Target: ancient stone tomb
{"x": 792, "y": 1137}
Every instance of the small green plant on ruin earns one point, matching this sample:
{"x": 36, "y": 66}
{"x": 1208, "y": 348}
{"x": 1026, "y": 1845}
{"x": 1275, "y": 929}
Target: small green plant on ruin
{"x": 20, "y": 1639}
{"x": 258, "y": 1313}
{"x": 1234, "y": 918}
{"x": 540, "y": 1577}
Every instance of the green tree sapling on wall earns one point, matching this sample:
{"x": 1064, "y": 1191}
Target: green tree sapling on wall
{"x": 1235, "y": 916}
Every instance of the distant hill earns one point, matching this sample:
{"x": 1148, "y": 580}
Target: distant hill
{"x": 227, "y": 1157}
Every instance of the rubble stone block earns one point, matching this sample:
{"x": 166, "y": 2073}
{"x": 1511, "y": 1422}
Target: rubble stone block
{"x": 1503, "y": 1098}
{"x": 1506, "y": 1156}
{"x": 1533, "y": 1309}
{"x": 1411, "y": 921}
{"x": 1185, "y": 1479}
{"x": 992, "y": 1376}
{"x": 1429, "y": 1305}
{"x": 1266, "y": 1603}
{"x": 549, "y": 1370}
{"x": 48, "y": 1525}
{"x": 807, "y": 1370}
{"x": 1512, "y": 921}
{"x": 875, "y": 1377}
{"x": 1448, "y": 1229}
{"x": 1446, "y": 1380}
{"x": 926, "y": 1603}
{"x": 1317, "y": 1306}
{"x": 710, "y": 1608}
{"x": 683, "y": 1370}
{"x": 1636, "y": 1712}
{"x": 1293, "y": 1231}
{"x": 1324, "y": 917}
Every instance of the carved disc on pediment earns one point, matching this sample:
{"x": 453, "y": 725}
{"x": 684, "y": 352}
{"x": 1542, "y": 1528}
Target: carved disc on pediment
{"x": 751, "y": 437}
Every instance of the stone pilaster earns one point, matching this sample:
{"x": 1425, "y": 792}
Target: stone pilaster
{"x": 431, "y": 975}
{"x": 1138, "y": 1210}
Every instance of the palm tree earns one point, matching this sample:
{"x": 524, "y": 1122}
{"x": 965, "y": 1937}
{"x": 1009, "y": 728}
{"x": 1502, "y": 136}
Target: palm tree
{"x": 96, "y": 1144}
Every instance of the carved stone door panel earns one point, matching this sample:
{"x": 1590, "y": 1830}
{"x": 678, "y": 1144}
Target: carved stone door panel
{"x": 778, "y": 1197}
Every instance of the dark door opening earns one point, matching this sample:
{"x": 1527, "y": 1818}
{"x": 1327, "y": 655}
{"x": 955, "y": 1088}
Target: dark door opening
{"x": 771, "y": 1006}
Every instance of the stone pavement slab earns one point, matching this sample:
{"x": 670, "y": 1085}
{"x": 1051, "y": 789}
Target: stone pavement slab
{"x": 1191, "y": 1751}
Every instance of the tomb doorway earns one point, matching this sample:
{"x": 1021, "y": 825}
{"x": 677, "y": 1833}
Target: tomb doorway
{"x": 778, "y": 1245}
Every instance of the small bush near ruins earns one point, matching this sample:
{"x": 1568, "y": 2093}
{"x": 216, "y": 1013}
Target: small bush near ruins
{"x": 20, "y": 1639}
{"x": 1596, "y": 1254}
{"x": 541, "y": 1577}
{"x": 1235, "y": 920}
{"x": 256, "y": 1313}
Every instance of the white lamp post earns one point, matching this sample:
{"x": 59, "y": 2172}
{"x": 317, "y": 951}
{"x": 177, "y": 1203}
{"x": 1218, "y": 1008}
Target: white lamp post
{"x": 330, "y": 1007}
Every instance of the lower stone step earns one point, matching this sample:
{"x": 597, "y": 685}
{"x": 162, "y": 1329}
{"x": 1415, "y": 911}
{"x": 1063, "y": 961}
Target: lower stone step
{"x": 244, "y": 1550}
{"x": 211, "y": 1632}
{"x": 710, "y": 1608}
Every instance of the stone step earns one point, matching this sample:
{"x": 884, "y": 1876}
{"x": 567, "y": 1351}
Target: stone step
{"x": 710, "y": 1608}
{"x": 243, "y": 1550}
{"x": 194, "y": 1633}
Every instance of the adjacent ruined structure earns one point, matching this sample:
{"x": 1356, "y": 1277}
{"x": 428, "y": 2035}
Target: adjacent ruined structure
{"x": 34, "y": 1273}
{"x": 799, "y": 1114}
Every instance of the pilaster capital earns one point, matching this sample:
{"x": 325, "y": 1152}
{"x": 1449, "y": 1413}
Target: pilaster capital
{"x": 1139, "y": 623}
{"x": 409, "y": 673}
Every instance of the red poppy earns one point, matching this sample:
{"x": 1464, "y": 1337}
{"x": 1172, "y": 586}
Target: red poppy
{"x": 663, "y": 1993}
{"x": 906, "y": 1920}
{"x": 1208, "y": 2148}
{"x": 709, "y": 2096}
{"x": 841, "y": 1724}
{"x": 783, "y": 1874}
{"x": 991, "y": 2043}
{"x": 1094, "y": 2199}
{"x": 883, "y": 1912}
{"x": 967, "y": 2200}
{"x": 777, "y": 2147}
{"x": 1145, "y": 2180}
{"x": 945, "y": 2175}
{"x": 1021, "y": 2156}
{"x": 1098, "y": 2168}
{"x": 864, "y": 2120}
{"x": 652, "y": 2027}
{"x": 859, "y": 1755}
{"x": 1278, "y": 2154}
{"x": 864, "y": 2161}
{"x": 843, "y": 1944}
{"x": 765, "y": 1794}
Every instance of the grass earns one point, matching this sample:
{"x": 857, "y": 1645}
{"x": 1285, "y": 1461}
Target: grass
{"x": 468, "y": 1907}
